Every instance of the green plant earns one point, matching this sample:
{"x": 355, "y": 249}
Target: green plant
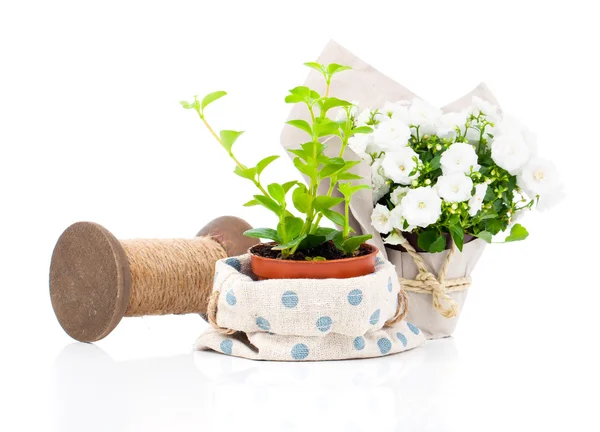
{"x": 295, "y": 232}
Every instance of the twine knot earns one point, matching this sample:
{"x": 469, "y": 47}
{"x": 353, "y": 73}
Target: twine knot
{"x": 425, "y": 282}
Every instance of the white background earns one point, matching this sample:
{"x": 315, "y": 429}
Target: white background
{"x": 91, "y": 129}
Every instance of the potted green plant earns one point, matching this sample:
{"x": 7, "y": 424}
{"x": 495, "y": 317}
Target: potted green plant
{"x": 301, "y": 247}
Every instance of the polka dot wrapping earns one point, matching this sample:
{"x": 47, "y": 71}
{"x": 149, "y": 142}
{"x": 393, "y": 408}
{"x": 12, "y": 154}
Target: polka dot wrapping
{"x": 307, "y": 319}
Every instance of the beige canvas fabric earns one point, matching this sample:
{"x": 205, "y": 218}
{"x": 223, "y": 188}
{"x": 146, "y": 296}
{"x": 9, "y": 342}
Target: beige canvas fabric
{"x": 307, "y": 319}
{"x": 371, "y": 88}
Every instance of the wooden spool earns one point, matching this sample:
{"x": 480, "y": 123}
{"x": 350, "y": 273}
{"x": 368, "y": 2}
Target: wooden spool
{"x": 91, "y": 277}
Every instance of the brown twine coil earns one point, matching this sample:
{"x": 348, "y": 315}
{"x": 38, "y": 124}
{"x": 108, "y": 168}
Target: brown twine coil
{"x": 170, "y": 276}
{"x": 213, "y": 307}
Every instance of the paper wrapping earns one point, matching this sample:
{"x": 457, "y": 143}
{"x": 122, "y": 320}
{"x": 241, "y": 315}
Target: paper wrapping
{"x": 370, "y": 88}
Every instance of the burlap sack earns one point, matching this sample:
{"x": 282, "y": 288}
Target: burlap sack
{"x": 370, "y": 88}
{"x": 307, "y": 319}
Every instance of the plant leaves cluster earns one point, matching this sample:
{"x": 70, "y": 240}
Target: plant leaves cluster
{"x": 299, "y": 225}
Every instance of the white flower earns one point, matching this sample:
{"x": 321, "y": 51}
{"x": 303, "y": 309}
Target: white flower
{"x": 421, "y": 206}
{"x": 399, "y": 164}
{"x": 511, "y": 126}
{"x": 476, "y": 201}
{"x": 341, "y": 114}
{"x": 548, "y": 201}
{"x": 479, "y": 105}
{"x": 397, "y": 195}
{"x": 364, "y": 117}
{"x": 424, "y": 115}
{"x": 454, "y": 187}
{"x": 360, "y": 142}
{"x": 396, "y": 110}
{"x": 538, "y": 177}
{"x": 379, "y": 183}
{"x": 383, "y": 220}
{"x": 510, "y": 152}
{"x": 459, "y": 158}
{"x": 389, "y": 136}
{"x": 394, "y": 239}
{"x": 449, "y": 122}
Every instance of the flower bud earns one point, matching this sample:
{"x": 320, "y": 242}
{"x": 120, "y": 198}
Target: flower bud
{"x": 454, "y": 206}
{"x": 488, "y": 181}
{"x": 415, "y": 183}
{"x": 427, "y": 182}
{"x": 438, "y": 147}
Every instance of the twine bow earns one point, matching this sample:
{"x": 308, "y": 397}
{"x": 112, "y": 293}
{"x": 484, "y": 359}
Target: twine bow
{"x": 426, "y": 283}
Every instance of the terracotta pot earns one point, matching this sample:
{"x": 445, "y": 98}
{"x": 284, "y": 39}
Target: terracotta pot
{"x": 269, "y": 268}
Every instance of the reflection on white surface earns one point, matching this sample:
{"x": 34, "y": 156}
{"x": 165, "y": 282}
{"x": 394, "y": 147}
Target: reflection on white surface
{"x": 208, "y": 391}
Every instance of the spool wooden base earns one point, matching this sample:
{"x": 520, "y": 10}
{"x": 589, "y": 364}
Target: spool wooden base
{"x": 90, "y": 276}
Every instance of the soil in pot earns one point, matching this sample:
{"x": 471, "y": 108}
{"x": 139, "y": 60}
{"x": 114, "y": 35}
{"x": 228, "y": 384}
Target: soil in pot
{"x": 269, "y": 267}
{"x": 327, "y": 250}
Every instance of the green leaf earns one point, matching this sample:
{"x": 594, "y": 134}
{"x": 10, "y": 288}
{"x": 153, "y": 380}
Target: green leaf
{"x": 187, "y": 105}
{"x": 435, "y": 162}
{"x": 287, "y": 186}
{"x": 458, "y": 235}
{"x": 312, "y": 241}
{"x": 290, "y": 228}
{"x": 260, "y": 167}
{"x": 326, "y": 232}
{"x": 277, "y": 193}
{"x": 301, "y": 124}
{"x": 485, "y": 236}
{"x": 334, "y": 68}
{"x": 316, "y": 66}
{"x": 211, "y": 97}
{"x": 348, "y": 189}
{"x": 438, "y": 245}
{"x": 293, "y": 99}
{"x": 300, "y": 153}
{"x": 338, "y": 240}
{"x": 431, "y": 241}
{"x": 251, "y": 203}
{"x": 361, "y": 130}
{"x": 348, "y": 176}
{"x": 517, "y": 233}
{"x": 228, "y": 137}
{"x": 325, "y": 126}
{"x": 321, "y": 203}
{"x": 267, "y": 202}
{"x": 331, "y": 169}
{"x": 302, "y": 200}
{"x": 333, "y": 102}
{"x": 266, "y": 233}
{"x": 290, "y": 244}
{"x": 307, "y": 169}
{"x": 353, "y": 243}
{"x": 311, "y": 148}
{"x": 248, "y": 173}
{"x": 334, "y": 217}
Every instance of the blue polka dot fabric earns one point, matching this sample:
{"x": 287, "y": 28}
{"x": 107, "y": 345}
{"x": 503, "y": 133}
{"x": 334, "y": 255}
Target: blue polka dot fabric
{"x": 307, "y": 319}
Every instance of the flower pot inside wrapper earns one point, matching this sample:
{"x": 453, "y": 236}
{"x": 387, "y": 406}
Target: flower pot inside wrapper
{"x": 421, "y": 311}
{"x": 270, "y": 268}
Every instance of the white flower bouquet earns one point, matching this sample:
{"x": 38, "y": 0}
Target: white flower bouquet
{"x": 448, "y": 176}
{"x": 444, "y": 183}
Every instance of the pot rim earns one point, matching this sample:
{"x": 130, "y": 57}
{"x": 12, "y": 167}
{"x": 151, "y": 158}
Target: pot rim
{"x": 374, "y": 251}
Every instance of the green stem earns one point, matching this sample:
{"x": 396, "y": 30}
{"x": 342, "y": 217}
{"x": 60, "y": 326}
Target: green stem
{"x": 231, "y": 155}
